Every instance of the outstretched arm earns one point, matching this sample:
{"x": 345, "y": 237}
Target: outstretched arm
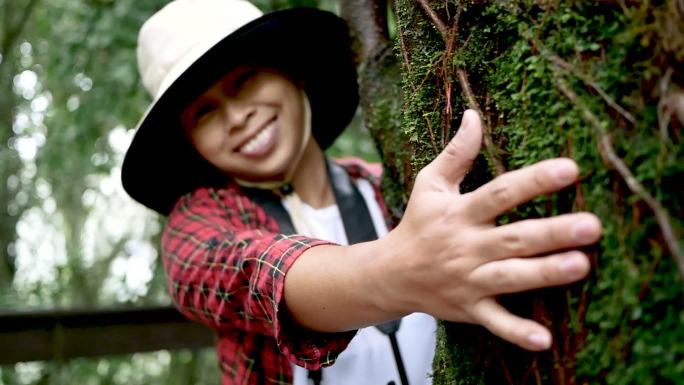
{"x": 447, "y": 257}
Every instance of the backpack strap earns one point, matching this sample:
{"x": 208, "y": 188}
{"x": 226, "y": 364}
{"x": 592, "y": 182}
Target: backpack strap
{"x": 270, "y": 202}
{"x": 357, "y": 220}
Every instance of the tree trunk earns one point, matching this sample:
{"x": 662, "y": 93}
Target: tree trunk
{"x": 15, "y": 17}
{"x": 600, "y": 82}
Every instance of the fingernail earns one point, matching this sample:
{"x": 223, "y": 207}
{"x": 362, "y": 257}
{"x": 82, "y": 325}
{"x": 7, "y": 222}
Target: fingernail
{"x": 573, "y": 266}
{"x": 540, "y": 340}
{"x": 566, "y": 172}
{"x": 464, "y": 123}
{"x": 586, "y": 230}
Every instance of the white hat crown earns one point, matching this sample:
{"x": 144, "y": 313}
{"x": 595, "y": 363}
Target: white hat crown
{"x": 180, "y": 33}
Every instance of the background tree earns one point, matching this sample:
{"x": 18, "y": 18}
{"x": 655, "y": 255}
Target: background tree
{"x": 14, "y": 16}
{"x": 600, "y": 82}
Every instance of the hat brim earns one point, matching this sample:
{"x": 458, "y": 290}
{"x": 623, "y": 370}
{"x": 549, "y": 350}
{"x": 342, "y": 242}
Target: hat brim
{"x": 309, "y": 44}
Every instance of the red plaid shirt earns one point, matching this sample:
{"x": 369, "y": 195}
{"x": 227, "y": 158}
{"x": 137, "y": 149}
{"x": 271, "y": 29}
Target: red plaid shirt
{"x": 226, "y": 263}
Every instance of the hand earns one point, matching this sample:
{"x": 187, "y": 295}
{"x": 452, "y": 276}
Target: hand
{"x": 451, "y": 259}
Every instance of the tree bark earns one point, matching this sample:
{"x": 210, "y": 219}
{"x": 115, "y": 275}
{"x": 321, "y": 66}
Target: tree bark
{"x": 381, "y": 95}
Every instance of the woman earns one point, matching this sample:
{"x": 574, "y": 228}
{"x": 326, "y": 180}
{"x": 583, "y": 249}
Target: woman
{"x": 255, "y": 246}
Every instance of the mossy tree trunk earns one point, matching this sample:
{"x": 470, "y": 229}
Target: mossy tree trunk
{"x": 599, "y": 81}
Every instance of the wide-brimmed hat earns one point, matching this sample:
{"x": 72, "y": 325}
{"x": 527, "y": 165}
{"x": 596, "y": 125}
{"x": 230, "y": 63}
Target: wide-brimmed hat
{"x": 190, "y": 44}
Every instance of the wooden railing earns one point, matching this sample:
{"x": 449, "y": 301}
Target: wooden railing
{"x": 65, "y": 334}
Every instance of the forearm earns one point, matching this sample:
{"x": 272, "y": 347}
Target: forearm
{"x": 337, "y": 288}
{"x": 223, "y": 272}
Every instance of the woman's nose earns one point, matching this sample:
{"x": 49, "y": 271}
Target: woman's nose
{"x": 236, "y": 114}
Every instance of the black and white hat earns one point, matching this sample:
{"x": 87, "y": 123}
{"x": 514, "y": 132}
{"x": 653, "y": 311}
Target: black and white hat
{"x": 189, "y": 44}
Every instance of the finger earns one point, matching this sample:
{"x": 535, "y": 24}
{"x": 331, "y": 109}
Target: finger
{"x": 520, "y": 274}
{"x": 519, "y": 186}
{"x": 455, "y": 160}
{"x": 539, "y": 236}
{"x": 523, "y": 332}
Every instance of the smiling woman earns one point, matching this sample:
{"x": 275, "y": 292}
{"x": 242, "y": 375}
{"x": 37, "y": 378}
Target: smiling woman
{"x": 251, "y": 124}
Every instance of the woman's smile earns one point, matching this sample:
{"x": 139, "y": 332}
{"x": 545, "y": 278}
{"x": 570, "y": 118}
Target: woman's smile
{"x": 262, "y": 142}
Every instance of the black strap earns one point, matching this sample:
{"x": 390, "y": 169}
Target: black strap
{"x": 270, "y": 202}
{"x": 398, "y": 360}
{"x": 316, "y": 376}
{"x": 357, "y": 220}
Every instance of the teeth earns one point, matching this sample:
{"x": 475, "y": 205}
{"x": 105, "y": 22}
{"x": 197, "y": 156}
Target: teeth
{"x": 259, "y": 140}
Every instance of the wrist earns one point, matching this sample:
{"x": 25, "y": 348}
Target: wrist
{"x": 385, "y": 281}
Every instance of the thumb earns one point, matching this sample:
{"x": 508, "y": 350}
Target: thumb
{"x": 455, "y": 160}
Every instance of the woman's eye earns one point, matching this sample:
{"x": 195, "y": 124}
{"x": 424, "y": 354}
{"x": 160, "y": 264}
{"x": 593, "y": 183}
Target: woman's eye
{"x": 203, "y": 112}
{"x": 239, "y": 81}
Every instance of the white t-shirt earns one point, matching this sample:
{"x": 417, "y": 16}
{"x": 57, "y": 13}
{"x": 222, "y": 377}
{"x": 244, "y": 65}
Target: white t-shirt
{"x": 368, "y": 360}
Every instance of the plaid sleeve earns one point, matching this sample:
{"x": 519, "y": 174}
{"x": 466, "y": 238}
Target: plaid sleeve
{"x": 226, "y": 264}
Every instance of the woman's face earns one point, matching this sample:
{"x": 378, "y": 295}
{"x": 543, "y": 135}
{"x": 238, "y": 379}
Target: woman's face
{"x": 249, "y": 124}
